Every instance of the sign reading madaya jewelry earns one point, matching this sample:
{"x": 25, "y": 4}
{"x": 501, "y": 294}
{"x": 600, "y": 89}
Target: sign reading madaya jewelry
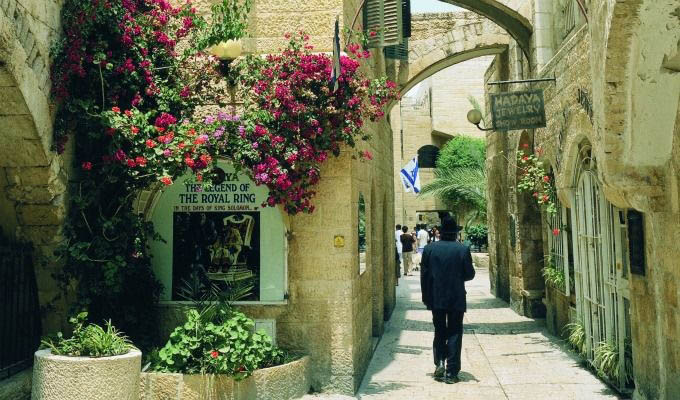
{"x": 518, "y": 110}
{"x": 219, "y": 235}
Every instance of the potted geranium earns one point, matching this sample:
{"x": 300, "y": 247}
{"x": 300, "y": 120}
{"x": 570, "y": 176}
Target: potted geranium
{"x": 94, "y": 363}
{"x": 223, "y": 36}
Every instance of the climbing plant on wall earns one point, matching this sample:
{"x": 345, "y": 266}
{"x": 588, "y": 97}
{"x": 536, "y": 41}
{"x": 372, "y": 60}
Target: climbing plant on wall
{"x": 533, "y": 178}
{"x": 129, "y": 98}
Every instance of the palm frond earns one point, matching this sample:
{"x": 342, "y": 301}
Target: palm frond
{"x": 464, "y": 188}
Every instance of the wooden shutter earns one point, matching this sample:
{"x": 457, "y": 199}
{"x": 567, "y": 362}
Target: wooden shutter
{"x": 400, "y": 51}
{"x": 383, "y": 18}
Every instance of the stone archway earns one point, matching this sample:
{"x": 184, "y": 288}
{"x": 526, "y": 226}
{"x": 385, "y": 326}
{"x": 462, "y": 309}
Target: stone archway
{"x": 501, "y": 13}
{"x": 32, "y": 178}
{"x": 473, "y": 38}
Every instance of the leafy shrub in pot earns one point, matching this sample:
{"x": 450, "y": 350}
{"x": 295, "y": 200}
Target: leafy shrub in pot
{"x": 89, "y": 340}
{"x": 217, "y": 340}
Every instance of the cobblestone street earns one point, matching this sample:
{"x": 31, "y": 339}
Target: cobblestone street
{"x": 505, "y": 356}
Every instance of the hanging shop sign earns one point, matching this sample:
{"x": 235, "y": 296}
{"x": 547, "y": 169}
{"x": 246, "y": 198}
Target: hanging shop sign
{"x": 518, "y": 110}
{"x": 219, "y": 235}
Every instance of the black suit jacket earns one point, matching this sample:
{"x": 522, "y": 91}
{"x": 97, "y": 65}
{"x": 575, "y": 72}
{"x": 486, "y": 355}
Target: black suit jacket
{"x": 445, "y": 266}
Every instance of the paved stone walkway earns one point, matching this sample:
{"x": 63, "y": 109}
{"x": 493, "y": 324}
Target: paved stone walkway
{"x": 505, "y": 356}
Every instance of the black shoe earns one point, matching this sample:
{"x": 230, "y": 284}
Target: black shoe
{"x": 439, "y": 371}
{"x": 451, "y": 378}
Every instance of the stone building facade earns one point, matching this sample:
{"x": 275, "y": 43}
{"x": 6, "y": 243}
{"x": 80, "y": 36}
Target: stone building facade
{"x": 611, "y": 145}
{"x": 332, "y": 311}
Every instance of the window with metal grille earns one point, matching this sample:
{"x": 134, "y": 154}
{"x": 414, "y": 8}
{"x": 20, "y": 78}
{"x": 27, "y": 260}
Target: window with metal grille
{"x": 383, "y": 23}
{"x": 558, "y": 245}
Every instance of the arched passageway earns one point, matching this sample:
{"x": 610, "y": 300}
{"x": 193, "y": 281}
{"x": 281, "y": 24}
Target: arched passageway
{"x": 32, "y": 178}
{"x": 503, "y": 14}
{"x": 470, "y": 39}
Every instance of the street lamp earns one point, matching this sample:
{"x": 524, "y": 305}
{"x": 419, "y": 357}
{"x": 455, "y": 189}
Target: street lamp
{"x": 474, "y": 116}
{"x": 226, "y": 52}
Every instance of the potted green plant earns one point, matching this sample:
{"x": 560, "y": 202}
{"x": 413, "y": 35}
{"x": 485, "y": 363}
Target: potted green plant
{"x": 229, "y": 23}
{"x": 94, "y": 363}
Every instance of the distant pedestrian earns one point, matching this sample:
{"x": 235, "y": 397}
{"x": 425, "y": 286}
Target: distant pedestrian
{"x": 397, "y": 234}
{"x": 407, "y": 249}
{"x": 445, "y": 267}
{"x": 422, "y": 238}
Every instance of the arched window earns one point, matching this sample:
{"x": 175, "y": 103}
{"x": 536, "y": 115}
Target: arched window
{"x": 427, "y": 156}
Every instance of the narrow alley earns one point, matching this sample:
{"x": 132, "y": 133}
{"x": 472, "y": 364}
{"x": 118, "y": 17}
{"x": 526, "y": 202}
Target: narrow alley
{"x": 505, "y": 356}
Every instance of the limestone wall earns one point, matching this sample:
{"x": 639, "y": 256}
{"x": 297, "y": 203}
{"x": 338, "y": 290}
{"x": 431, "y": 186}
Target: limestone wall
{"x": 332, "y": 312}
{"x": 33, "y": 178}
{"x": 601, "y": 59}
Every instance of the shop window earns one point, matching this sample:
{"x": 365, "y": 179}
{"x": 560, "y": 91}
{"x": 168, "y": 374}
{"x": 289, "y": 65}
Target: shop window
{"x": 219, "y": 236}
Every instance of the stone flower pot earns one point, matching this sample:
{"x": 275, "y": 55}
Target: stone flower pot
{"x": 86, "y": 378}
{"x": 283, "y": 382}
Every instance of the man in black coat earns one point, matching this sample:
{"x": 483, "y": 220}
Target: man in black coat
{"x": 445, "y": 266}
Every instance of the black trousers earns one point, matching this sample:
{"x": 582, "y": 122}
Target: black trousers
{"x": 448, "y": 338}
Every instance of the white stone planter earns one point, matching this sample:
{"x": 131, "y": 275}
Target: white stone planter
{"x": 86, "y": 378}
{"x": 283, "y": 382}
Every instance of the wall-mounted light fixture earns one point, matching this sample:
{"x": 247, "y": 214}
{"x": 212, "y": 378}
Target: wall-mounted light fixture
{"x": 475, "y": 117}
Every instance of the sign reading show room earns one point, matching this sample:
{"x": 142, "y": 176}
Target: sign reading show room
{"x": 219, "y": 235}
{"x": 518, "y": 110}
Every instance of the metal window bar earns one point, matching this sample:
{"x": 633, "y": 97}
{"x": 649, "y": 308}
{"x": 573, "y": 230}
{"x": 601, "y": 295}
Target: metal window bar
{"x": 19, "y": 309}
{"x": 599, "y": 256}
{"x": 557, "y": 244}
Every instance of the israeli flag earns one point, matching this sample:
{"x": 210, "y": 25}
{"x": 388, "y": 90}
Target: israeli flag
{"x": 410, "y": 177}
{"x": 335, "y": 71}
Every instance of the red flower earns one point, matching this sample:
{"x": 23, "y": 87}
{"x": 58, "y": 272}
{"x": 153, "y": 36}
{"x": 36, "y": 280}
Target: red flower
{"x": 546, "y": 179}
{"x": 110, "y": 131}
{"x": 556, "y": 231}
{"x": 141, "y": 161}
{"x": 214, "y": 354}
{"x": 131, "y": 163}
{"x": 115, "y": 109}
{"x": 150, "y": 143}
{"x": 525, "y": 158}
{"x": 372, "y": 33}
{"x": 545, "y": 197}
{"x": 128, "y": 113}
{"x": 134, "y": 130}
{"x": 166, "y": 180}
{"x": 535, "y": 194}
{"x": 87, "y": 166}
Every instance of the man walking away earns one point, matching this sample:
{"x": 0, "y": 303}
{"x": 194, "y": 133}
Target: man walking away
{"x": 407, "y": 248}
{"x": 445, "y": 267}
{"x": 397, "y": 234}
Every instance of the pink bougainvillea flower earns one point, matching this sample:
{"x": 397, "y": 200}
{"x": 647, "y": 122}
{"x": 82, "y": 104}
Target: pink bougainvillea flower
{"x": 546, "y": 179}
{"x": 86, "y": 165}
{"x": 134, "y": 130}
{"x": 150, "y": 143}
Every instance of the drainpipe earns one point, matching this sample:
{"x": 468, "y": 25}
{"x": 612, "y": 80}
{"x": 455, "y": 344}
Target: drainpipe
{"x": 543, "y": 34}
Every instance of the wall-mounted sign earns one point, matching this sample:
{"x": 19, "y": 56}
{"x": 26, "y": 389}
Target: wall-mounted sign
{"x": 220, "y": 235}
{"x": 518, "y": 110}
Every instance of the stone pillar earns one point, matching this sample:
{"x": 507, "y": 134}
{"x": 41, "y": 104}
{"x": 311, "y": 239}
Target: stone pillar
{"x": 542, "y": 45}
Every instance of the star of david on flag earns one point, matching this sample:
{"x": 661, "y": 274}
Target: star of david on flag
{"x": 410, "y": 177}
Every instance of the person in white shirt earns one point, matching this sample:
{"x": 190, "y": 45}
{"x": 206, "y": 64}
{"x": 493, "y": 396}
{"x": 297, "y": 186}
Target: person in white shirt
{"x": 423, "y": 238}
{"x": 397, "y": 235}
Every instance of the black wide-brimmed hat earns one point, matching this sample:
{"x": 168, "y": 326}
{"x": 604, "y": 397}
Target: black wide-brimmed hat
{"x": 449, "y": 225}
